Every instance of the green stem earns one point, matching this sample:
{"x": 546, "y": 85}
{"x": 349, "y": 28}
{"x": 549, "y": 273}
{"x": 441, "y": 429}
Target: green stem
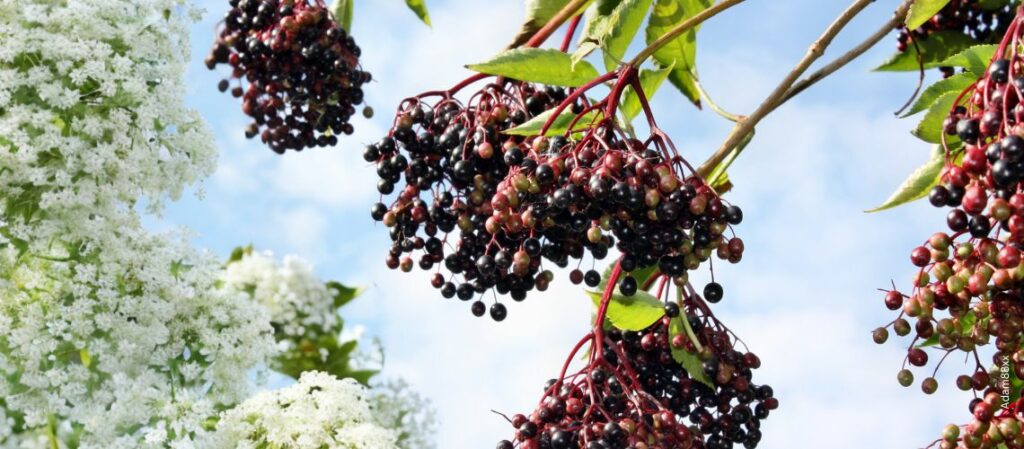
{"x": 51, "y": 433}
{"x": 686, "y": 324}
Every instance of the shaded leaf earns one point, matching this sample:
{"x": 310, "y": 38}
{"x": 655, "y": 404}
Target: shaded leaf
{"x": 546, "y": 66}
{"x": 917, "y": 185}
{"x": 559, "y": 126}
{"x": 930, "y": 128}
{"x": 598, "y": 18}
{"x": 623, "y": 25}
{"x": 923, "y": 10}
{"x": 420, "y": 8}
{"x": 975, "y": 58}
{"x": 681, "y": 52}
{"x": 635, "y": 313}
{"x": 650, "y": 81}
{"x": 343, "y": 294}
{"x": 691, "y": 362}
{"x": 538, "y": 13}
{"x": 582, "y": 51}
{"x": 955, "y": 83}
{"x": 938, "y": 47}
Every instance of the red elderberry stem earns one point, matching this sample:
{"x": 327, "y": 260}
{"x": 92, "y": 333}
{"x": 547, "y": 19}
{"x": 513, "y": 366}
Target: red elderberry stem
{"x": 565, "y": 367}
{"x": 626, "y": 74}
{"x": 606, "y": 298}
{"x": 572, "y": 98}
{"x": 573, "y": 24}
{"x": 644, "y": 104}
{"x": 650, "y": 281}
{"x": 549, "y": 28}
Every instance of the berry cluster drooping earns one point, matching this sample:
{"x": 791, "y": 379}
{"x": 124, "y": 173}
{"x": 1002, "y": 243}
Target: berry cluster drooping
{"x": 296, "y": 70}
{"x": 515, "y": 201}
{"x": 636, "y": 394}
{"x": 968, "y": 292}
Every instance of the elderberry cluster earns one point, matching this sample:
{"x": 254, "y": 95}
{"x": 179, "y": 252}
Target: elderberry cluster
{"x": 516, "y": 201}
{"x": 968, "y": 290}
{"x": 453, "y": 161}
{"x": 991, "y": 426}
{"x": 296, "y": 70}
{"x": 638, "y": 395}
{"x": 982, "y": 21}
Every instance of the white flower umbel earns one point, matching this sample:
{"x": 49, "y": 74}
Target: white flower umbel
{"x": 126, "y": 339}
{"x": 318, "y": 412}
{"x": 91, "y": 112}
{"x": 296, "y": 299}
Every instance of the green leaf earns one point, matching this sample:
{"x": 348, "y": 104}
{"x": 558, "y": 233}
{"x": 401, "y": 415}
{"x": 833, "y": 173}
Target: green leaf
{"x": 623, "y": 25}
{"x": 930, "y": 128}
{"x": 934, "y": 51}
{"x": 545, "y": 66}
{"x": 642, "y": 275}
{"x": 955, "y": 83}
{"x": 362, "y": 376}
{"x": 582, "y": 51}
{"x": 342, "y": 10}
{"x": 343, "y": 294}
{"x": 691, "y": 362}
{"x": 681, "y": 52}
{"x": 420, "y": 8}
{"x": 923, "y": 10}
{"x": 597, "y": 19}
{"x": 85, "y": 357}
{"x": 917, "y": 185}
{"x": 650, "y": 81}
{"x": 634, "y": 313}
{"x": 989, "y": 5}
{"x": 975, "y": 58}
{"x": 559, "y": 126}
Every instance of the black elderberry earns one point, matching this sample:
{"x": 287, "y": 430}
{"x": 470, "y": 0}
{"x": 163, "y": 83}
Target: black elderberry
{"x": 938, "y": 196}
{"x": 968, "y": 130}
{"x": 713, "y": 292}
{"x": 628, "y": 286}
{"x": 498, "y": 311}
{"x": 672, "y": 309}
{"x": 999, "y": 71}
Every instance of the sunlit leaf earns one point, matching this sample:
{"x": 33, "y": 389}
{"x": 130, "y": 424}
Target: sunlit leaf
{"x": 546, "y": 66}
{"x": 420, "y": 8}
{"x": 917, "y": 185}
{"x": 922, "y": 10}
{"x": 934, "y": 50}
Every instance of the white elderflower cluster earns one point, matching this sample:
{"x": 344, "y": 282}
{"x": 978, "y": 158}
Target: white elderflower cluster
{"x": 318, "y": 412}
{"x": 130, "y": 343}
{"x": 91, "y": 112}
{"x": 295, "y": 298}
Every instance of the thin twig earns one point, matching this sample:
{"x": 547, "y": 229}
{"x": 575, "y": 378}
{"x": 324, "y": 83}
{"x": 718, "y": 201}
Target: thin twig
{"x": 897, "y": 20}
{"x": 816, "y": 50}
{"x": 681, "y": 28}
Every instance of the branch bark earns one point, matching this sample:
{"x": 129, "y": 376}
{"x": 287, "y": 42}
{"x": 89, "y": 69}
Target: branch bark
{"x": 681, "y": 28}
{"x": 778, "y": 96}
{"x": 896, "y": 22}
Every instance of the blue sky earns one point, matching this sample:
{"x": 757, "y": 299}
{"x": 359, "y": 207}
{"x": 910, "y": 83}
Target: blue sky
{"x": 804, "y": 298}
